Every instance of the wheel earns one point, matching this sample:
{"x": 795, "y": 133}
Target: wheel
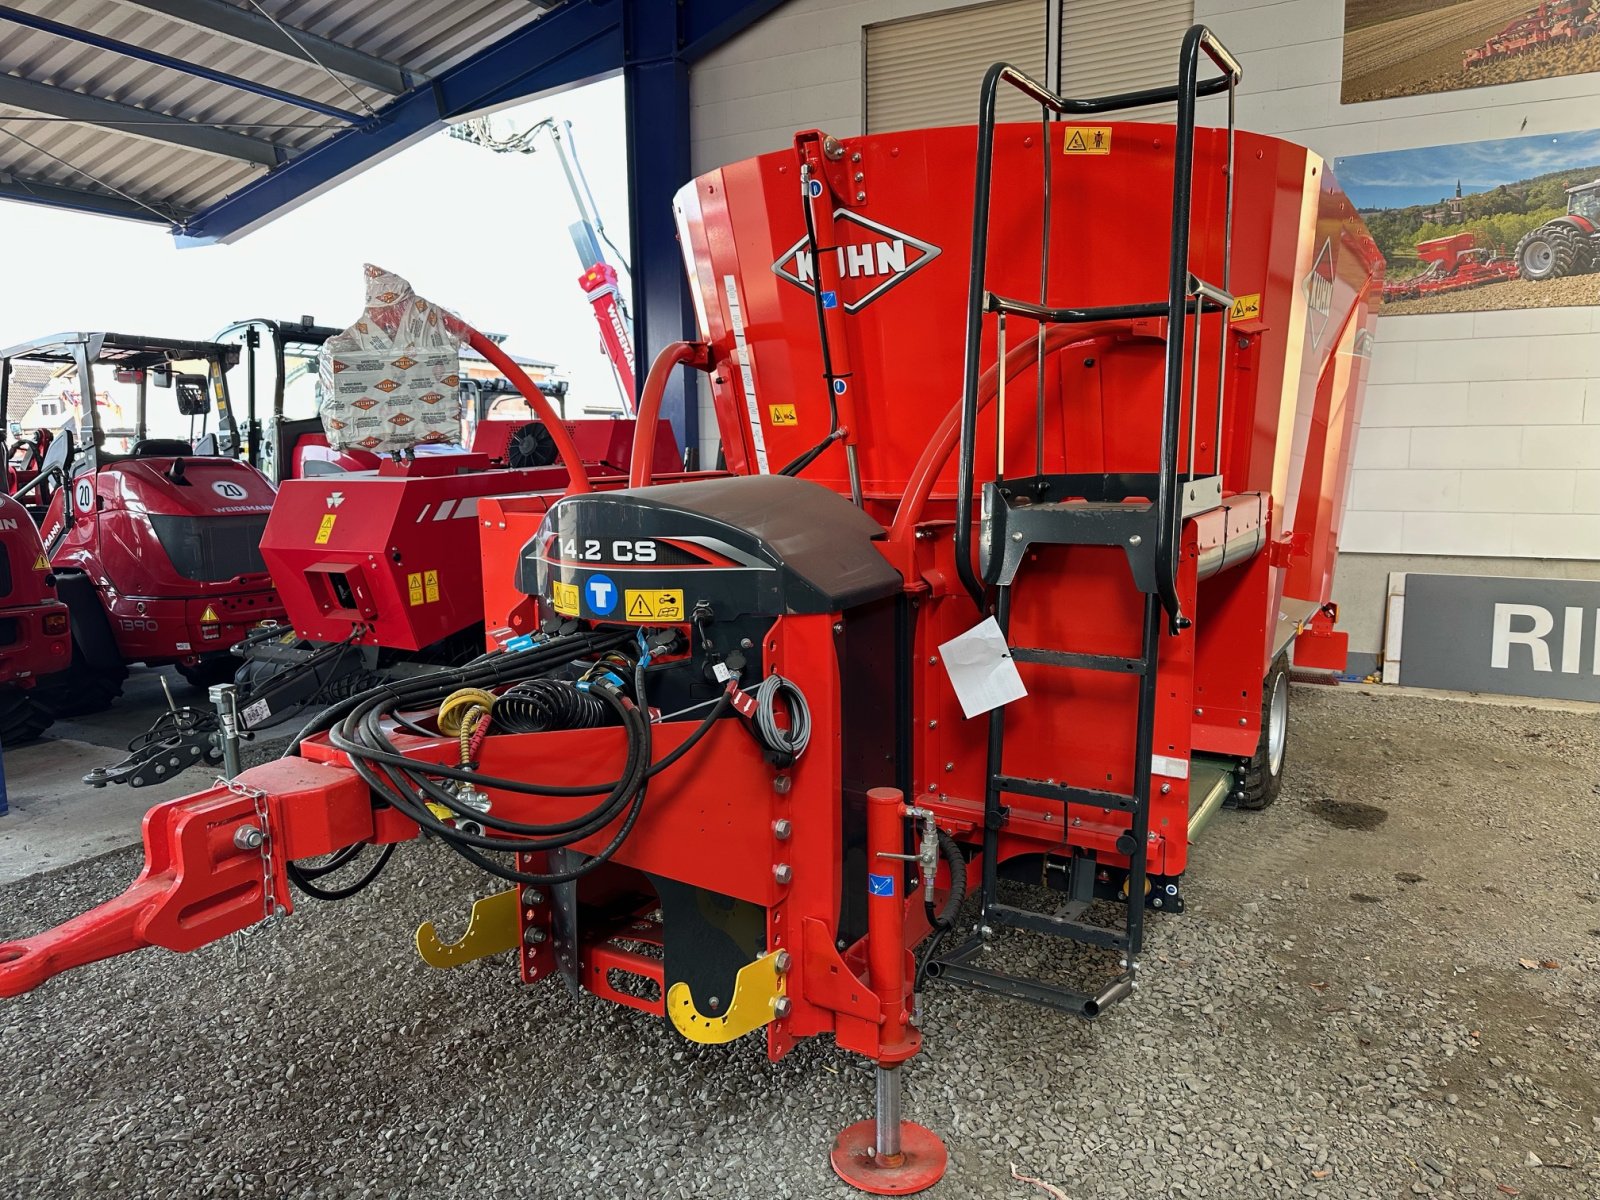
{"x": 81, "y": 689}
{"x": 1548, "y": 252}
{"x": 21, "y": 719}
{"x": 1261, "y": 778}
{"x": 219, "y": 668}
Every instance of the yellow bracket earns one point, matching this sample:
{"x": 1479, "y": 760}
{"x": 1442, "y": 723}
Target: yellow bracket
{"x": 492, "y": 929}
{"x": 756, "y": 990}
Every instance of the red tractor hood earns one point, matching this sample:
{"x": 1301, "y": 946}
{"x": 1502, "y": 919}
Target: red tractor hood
{"x": 201, "y": 487}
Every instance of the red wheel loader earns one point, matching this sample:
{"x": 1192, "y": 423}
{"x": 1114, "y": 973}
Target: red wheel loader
{"x": 376, "y": 562}
{"x": 991, "y": 608}
{"x": 35, "y": 633}
{"x": 153, "y": 541}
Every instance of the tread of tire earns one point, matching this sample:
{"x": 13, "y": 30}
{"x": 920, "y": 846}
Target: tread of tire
{"x": 21, "y": 720}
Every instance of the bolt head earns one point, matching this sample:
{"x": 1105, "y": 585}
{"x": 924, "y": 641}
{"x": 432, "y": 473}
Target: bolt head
{"x": 781, "y": 829}
{"x": 783, "y": 873}
{"x": 781, "y": 784}
{"x": 1135, "y": 539}
{"x": 784, "y": 961}
{"x": 1017, "y": 536}
{"x": 248, "y": 837}
{"x": 534, "y": 935}
{"x": 860, "y": 196}
{"x": 782, "y": 1006}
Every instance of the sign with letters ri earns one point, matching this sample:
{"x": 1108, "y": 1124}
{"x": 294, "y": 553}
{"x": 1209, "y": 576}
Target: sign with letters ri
{"x": 1520, "y": 637}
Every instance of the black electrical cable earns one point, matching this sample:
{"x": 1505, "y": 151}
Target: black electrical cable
{"x": 944, "y": 921}
{"x": 408, "y": 785}
{"x": 302, "y": 880}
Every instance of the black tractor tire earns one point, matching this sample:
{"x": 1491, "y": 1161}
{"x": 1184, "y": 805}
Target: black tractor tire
{"x": 81, "y": 689}
{"x": 1260, "y": 779}
{"x": 219, "y": 668}
{"x": 21, "y": 719}
{"x": 1548, "y": 252}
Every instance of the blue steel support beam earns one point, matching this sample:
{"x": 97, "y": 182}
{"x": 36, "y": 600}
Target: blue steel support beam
{"x": 656, "y": 79}
{"x": 142, "y": 54}
{"x": 574, "y": 44}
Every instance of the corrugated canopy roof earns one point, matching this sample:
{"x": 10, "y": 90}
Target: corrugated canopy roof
{"x": 160, "y": 109}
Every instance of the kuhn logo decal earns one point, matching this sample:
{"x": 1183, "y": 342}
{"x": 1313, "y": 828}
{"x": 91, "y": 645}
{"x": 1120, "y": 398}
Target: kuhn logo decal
{"x": 870, "y": 259}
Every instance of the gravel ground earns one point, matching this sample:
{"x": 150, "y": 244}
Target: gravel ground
{"x": 1343, "y": 1012}
{"x": 1572, "y": 291}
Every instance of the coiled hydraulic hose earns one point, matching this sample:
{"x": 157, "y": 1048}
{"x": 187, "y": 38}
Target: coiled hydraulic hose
{"x": 410, "y": 786}
{"x": 540, "y": 705}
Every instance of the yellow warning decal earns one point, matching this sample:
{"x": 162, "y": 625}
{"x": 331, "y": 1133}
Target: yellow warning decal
{"x": 1087, "y": 139}
{"x": 782, "y": 414}
{"x": 564, "y": 597}
{"x": 414, "y": 588}
{"x": 325, "y": 530}
{"x": 430, "y": 586}
{"x": 41, "y": 563}
{"x": 653, "y": 604}
{"x": 1246, "y": 308}
{"x": 210, "y": 614}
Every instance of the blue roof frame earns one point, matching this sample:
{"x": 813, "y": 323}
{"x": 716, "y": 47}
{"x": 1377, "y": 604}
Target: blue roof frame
{"x": 578, "y": 42}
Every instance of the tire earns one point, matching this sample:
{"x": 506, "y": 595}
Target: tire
{"x": 79, "y": 690}
{"x": 21, "y": 719}
{"x": 1549, "y": 252}
{"x": 1261, "y": 777}
{"x": 218, "y": 669}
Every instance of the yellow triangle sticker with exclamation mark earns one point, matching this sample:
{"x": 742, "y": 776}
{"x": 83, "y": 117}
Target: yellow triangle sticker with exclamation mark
{"x": 210, "y": 614}
{"x": 41, "y": 563}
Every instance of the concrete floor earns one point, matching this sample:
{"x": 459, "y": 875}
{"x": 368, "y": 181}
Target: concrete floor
{"x": 54, "y": 819}
{"x": 1386, "y": 985}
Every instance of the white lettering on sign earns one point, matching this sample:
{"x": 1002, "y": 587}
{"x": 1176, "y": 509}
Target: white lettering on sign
{"x": 1531, "y": 625}
{"x": 880, "y": 255}
{"x": 8, "y": 523}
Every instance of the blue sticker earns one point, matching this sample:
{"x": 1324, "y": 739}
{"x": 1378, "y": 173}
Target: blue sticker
{"x": 880, "y": 885}
{"x": 816, "y": 187}
{"x": 840, "y": 387}
{"x": 602, "y": 594}
{"x": 830, "y": 299}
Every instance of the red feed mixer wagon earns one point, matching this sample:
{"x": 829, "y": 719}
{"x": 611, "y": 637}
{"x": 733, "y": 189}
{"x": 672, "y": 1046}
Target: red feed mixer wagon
{"x": 727, "y": 776}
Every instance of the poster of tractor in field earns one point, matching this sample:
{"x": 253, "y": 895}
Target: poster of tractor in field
{"x": 1411, "y": 47}
{"x": 1513, "y": 223}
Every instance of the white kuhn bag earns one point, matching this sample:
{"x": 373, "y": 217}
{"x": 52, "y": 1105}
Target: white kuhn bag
{"x": 392, "y": 380}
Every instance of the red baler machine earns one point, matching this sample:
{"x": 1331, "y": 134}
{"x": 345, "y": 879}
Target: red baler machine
{"x": 1069, "y": 399}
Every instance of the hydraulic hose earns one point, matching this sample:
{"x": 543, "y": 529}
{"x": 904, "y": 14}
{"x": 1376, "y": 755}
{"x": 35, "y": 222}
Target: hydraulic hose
{"x": 943, "y": 920}
{"x": 411, "y": 786}
{"x": 672, "y": 356}
{"x": 577, "y": 477}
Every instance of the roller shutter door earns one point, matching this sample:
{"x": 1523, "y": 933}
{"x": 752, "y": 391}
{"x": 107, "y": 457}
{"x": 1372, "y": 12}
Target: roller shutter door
{"x": 926, "y": 71}
{"x": 1111, "y": 46}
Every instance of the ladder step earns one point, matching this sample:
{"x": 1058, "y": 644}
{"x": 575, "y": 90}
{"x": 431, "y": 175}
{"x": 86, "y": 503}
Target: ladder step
{"x": 956, "y": 969}
{"x": 1066, "y": 793}
{"x": 1037, "y": 922}
{"x": 1081, "y": 662}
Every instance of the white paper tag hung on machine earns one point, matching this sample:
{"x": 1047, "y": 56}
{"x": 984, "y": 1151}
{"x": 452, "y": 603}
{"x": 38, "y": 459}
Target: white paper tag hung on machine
{"x": 981, "y": 668}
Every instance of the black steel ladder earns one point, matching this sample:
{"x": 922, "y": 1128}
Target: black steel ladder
{"x": 1142, "y": 513}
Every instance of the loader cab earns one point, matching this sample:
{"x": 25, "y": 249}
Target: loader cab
{"x": 143, "y": 507}
{"x": 276, "y": 382}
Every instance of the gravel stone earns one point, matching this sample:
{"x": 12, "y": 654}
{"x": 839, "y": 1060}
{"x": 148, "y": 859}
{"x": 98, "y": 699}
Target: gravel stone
{"x": 1285, "y": 1041}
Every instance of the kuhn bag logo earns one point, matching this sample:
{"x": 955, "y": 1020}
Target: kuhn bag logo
{"x": 869, "y": 260}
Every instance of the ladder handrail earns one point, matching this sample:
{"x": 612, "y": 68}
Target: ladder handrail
{"x": 1185, "y": 92}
